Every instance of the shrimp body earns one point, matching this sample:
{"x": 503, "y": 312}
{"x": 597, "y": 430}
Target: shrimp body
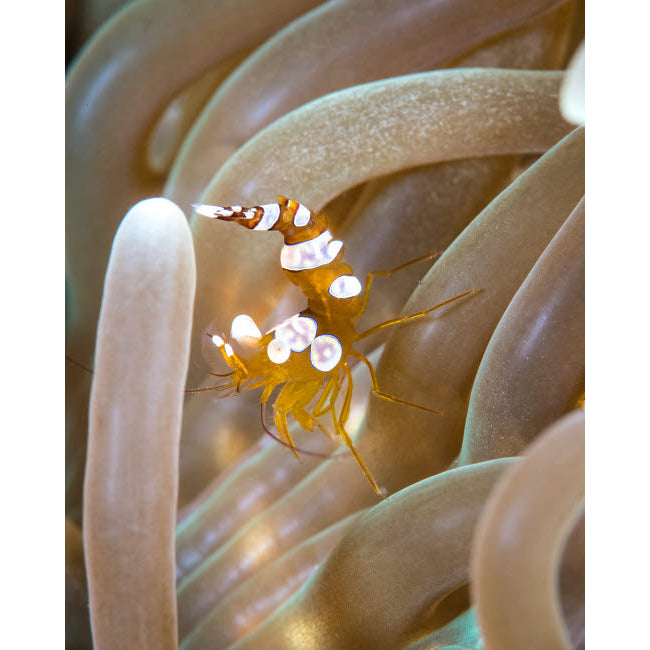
{"x": 306, "y": 354}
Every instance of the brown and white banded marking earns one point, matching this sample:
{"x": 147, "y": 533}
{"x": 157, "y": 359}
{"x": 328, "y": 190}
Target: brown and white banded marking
{"x": 259, "y": 217}
{"x": 270, "y": 216}
{"x": 302, "y": 216}
{"x": 309, "y": 247}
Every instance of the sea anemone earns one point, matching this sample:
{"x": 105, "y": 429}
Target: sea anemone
{"x": 428, "y": 126}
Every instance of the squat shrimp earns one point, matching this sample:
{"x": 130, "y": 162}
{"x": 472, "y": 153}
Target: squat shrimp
{"x": 307, "y": 354}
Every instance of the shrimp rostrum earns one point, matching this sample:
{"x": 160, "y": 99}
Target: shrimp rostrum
{"x": 306, "y": 356}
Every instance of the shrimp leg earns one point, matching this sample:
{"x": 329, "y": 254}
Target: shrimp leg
{"x": 386, "y": 396}
{"x": 283, "y": 405}
{"x": 298, "y": 410}
{"x": 322, "y": 406}
{"x": 348, "y": 441}
{"x": 405, "y": 319}
{"x": 371, "y": 276}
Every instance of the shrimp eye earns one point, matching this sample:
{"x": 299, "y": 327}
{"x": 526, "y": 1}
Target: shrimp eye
{"x": 278, "y": 351}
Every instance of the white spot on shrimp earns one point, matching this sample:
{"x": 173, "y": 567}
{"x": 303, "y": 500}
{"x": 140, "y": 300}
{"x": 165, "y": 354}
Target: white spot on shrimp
{"x": 278, "y": 351}
{"x": 249, "y": 214}
{"x": 297, "y": 332}
{"x": 217, "y": 340}
{"x": 214, "y": 211}
{"x": 325, "y": 353}
{"x": 302, "y": 216}
{"x": 345, "y": 286}
{"x": 227, "y": 348}
{"x": 310, "y": 254}
{"x": 236, "y": 208}
{"x": 334, "y": 247}
{"x": 270, "y": 215}
{"x": 244, "y": 330}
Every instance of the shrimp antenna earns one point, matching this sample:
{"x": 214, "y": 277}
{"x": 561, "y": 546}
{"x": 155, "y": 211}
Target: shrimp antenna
{"x": 205, "y": 389}
{"x": 209, "y": 372}
{"x": 287, "y": 445}
{"x": 225, "y": 374}
{"x": 79, "y": 365}
{"x": 216, "y": 387}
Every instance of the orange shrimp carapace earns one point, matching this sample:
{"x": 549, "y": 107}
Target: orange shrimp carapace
{"x": 306, "y": 354}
